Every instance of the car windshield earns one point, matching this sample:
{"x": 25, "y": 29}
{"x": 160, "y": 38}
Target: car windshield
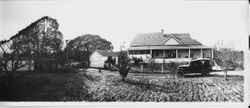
{"x": 186, "y": 63}
{"x": 199, "y": 62}
{"x": 212, "y": 63}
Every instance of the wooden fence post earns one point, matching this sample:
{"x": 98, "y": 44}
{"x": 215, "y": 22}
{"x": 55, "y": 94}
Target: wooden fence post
{"x": 141, "y": 67}
{"x": 162, "y": 68}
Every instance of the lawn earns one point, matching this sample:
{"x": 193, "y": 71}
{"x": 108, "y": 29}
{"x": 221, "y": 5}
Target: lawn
{"x": 107, "y": 86}
{"x": 41, "y": 86}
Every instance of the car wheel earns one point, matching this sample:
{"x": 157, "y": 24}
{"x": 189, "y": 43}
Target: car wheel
{"x": 180, "y": 74}
{"x": 205, "y": 72}
{"x": 208, "y": 73}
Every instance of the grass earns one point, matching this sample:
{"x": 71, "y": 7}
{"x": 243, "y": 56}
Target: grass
{"x": 41, "y": 86}
{"x": 108, "y": 87}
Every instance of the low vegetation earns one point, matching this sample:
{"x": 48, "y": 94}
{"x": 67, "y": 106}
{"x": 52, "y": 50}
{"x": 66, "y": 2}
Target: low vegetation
{"x": 41, "y": 86}
{"x": 108, "y": 86}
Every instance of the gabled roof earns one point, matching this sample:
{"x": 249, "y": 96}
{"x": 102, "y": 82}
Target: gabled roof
{"x": 185, "y": 38}
{"x": 144, "y": 39}
{"x": 158, "y": 38}
{"x": 107, "y": 53}
{"x": 171, "y": 37}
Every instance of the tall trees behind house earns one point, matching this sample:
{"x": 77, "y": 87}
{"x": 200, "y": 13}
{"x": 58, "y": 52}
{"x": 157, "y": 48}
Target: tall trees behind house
{"x": 40, "y": 39}
{"x": 80, "y": 48}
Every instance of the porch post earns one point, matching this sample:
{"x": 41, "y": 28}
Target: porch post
{"x": 151, "y": 53}
{"x": 141, "y": 67}
{"x": 176, "y": 53}
{"x": 163, "y": 53}
{"x": 201, "y": 53}
{"x": 162, "y": 66}
{"x": 188, "y": 53}
{"x": 212, "y": 55}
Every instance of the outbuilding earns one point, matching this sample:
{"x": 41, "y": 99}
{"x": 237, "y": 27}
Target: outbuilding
{"x": 99, "y": 58}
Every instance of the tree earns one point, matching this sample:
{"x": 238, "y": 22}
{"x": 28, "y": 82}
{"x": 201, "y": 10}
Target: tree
{"x": 11, "y": 59}
{"x": 110, "y": 61}
{"x": 173, "y": 68}
{"x": 123, "y": 61}
{"x": 38, "y": 40}
{"x": 137, "y": 61}
{"x": 227, "y": 57}
{"x": 80, "y": 48}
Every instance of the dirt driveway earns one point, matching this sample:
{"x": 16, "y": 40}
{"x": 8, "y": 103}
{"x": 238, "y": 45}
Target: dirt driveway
{"x": 238, "y": 73}
{"x": 168, "y": 75}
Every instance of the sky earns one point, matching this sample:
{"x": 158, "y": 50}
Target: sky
{"x": 119, "y": 21}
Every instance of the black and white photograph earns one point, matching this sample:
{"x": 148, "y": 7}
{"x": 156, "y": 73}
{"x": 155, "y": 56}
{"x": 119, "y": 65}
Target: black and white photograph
{"x": 116, "y": 52}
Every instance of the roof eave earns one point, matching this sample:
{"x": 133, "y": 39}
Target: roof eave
{"x": 170, "y": 47}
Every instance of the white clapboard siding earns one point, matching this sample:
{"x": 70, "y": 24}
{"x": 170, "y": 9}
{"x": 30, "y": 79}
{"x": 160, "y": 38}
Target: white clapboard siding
{"x": 97, "y": 60}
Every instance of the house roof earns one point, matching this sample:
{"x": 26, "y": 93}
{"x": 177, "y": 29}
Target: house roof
{"x": 169, "y": 47}
{"x": 158, "y": 38}
{"x": 185, "y": 38}
{"x": 107, "y": 53}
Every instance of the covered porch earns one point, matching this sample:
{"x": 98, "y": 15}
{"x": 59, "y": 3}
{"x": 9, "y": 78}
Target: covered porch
{"x": 171, "y": 55}
{"x": 180, "y": 55}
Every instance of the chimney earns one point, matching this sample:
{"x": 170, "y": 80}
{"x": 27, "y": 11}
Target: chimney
{"x": 162, "y": 30}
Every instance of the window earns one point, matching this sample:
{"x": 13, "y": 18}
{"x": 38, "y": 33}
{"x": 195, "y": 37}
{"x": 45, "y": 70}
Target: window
{"x": 157, "y": 53}
{"x": 191, "y": 54}
{"x": 211, "y": 63}
{"x": 144, "y": 52}
{"x": 170, "y": 54}
{"x": 131, "y": 52}
{"x": 195, "y": 64}
{"x": 202, "y": 62}
{"x": 139, "y": 52}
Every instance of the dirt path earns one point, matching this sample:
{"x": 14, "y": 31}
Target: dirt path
{"x": 239, "y": 73}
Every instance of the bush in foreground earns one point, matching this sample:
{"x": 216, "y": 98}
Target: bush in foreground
{"x": 123, "y": 61}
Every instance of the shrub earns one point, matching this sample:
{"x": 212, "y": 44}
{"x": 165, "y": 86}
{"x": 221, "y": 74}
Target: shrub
{"x": 152, "y": 64}
{"x": 172, "y": 66}
{"x": 137, "y": 61}
{"x": 123, "y": 61}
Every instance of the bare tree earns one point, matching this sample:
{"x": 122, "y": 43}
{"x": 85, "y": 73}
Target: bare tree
{"x": 227, "y": 57}
{"x": 12, "y": 58}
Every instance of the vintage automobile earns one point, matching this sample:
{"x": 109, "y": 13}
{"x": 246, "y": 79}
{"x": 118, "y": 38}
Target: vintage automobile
{"x": 202, "y": 65}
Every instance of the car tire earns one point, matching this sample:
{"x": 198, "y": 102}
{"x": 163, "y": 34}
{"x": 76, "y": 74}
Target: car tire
{"x": 208, "y": 73}
{"x": 180, "y": 74}
{"x": 205, "y": 73}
